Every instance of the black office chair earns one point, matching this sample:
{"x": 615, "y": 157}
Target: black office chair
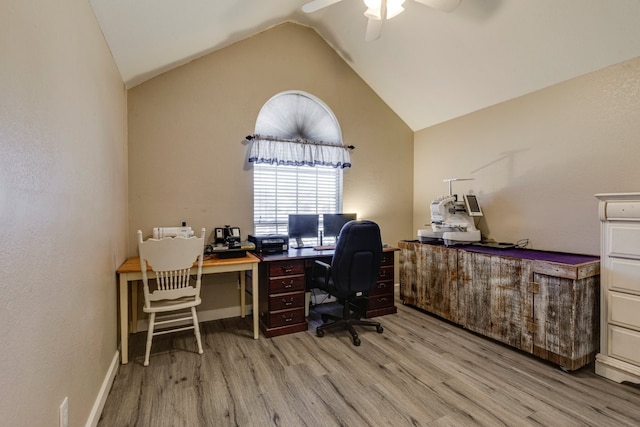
{"x": 352, "y": 275}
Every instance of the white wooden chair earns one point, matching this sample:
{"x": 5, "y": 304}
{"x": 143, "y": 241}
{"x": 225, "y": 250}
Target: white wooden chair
{"x": 169, "y": 261}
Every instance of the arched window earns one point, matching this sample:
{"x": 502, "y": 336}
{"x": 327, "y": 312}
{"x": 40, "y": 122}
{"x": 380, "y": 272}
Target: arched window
{"x": 298, "y": 159}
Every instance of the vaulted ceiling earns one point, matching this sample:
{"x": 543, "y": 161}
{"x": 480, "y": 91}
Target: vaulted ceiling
{"x": 428, "y": 66}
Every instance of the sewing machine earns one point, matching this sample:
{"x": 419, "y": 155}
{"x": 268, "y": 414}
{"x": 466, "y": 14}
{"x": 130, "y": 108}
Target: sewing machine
{"x": 452, "y": 220}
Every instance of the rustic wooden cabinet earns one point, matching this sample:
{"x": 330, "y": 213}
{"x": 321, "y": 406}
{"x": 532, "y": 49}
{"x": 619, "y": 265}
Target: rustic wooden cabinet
{"x": 428, "y": 278}
{"x": 547, "y": 308}
{"x": 619, "y": 357}
{"x": 491, "y": 291}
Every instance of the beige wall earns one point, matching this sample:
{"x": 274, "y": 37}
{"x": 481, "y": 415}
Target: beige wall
{"x": 63, "y": 180}
{"x": 187, "y": 160}
{"x": 538, "y": 160}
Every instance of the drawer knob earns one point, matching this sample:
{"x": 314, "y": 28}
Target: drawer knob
{"x": 287, "y": 318}
{"x": 287, "y": 303}
{"x": 287, "y": 268}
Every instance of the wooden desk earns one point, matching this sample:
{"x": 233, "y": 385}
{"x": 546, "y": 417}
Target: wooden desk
{"x": 130, "y": 272}
{"x": 284, "y": 278}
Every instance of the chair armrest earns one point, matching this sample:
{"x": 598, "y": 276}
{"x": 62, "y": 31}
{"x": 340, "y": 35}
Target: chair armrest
{"x": 319, "y": 267}
{"x": 323, "y": 264}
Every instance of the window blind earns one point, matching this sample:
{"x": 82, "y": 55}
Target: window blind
{"x": 280, "y": 190}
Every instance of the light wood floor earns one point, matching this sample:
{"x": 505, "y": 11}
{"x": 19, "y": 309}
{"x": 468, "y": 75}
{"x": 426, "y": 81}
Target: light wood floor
{"x": 421, "y": 371}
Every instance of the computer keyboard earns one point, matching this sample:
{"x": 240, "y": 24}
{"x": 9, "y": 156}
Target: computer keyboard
{"x": 324, "y": 248}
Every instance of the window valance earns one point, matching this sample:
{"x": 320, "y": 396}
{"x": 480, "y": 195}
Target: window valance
{"x": 297, "y": 129}
{"x": 298, "y": 152}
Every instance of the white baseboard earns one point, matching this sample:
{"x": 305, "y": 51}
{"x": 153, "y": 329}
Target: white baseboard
{"x": 98, "y": 405}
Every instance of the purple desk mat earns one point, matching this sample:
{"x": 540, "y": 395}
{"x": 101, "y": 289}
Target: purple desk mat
{"x": 559, "y": 257}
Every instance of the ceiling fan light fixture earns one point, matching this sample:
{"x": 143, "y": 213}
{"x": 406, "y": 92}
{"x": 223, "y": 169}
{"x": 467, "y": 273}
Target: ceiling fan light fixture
{"x": 373, "y": 13}
{"x": 378, "y": 10}
{"x": 394, "y": 8}
{"x": 374, "y": 8}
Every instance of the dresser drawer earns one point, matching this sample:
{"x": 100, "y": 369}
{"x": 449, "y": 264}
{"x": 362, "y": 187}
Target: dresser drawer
{"x": 286, "y": 301}
{"x": 624, "y": 310}
{"x": 286, "y": 268}
{"x": 624, "y": 275}
{"x": 624, "y": 344}
{"x": 624, "y": 240}
{"x": 285, "y": 317}
{"x": 286, "y": 284}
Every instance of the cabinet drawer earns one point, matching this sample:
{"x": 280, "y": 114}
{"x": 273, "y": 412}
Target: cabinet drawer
{"x": 285, "y": 317}
{"x": 379, "y": 301}
{"x": 387, "y": 258}
{"x": 286, "y": 268}
{"x": 624, "y": 344}
{"x": 624, "y": 275}
{"x": 286, "y": 301}
{"x": 381, "y": 288}
{"x": 624, "y": 240}
{"x": 286, "y": 284}
{"x": 386, "y": 273}
{"x": 624, "y": 310}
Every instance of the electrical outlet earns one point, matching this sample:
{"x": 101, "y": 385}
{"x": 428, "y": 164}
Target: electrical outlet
{"x": 64, "y": 412}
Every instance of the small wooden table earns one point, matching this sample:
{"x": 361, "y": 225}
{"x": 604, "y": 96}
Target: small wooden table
{"x": 130, "y": 272}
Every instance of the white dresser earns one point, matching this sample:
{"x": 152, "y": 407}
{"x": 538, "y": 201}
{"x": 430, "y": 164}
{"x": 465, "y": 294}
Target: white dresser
{"x": 619, "y": 357}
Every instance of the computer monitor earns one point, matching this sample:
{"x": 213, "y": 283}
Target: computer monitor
{"x": 303, "y": 226}
{"x": 333, "y": 223}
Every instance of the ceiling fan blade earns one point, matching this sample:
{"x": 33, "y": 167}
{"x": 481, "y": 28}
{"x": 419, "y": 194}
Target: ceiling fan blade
{"x": 443, "y": 5}
{"x": 374, "y": 29}
{"x": 316, "y": 5}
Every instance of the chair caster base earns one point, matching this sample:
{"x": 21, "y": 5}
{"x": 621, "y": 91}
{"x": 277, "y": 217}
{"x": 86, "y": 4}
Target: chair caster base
{"x": 346, "y": 322}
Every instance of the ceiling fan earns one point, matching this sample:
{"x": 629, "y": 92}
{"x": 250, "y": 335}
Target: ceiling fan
{"x": 378, "y": 10}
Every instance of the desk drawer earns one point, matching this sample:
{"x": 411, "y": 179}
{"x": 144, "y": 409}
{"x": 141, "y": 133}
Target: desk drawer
{"x": 286, "y": 268}
{"x": 381, "y": 288}
{"x": 386, "y": 273}
{"x": 286, "y": 301}
{"x": 286, "y": 284}
{"x": 285, "y": 317}
{"x": 379, "y": 301}
{"x": 387, "y": 258}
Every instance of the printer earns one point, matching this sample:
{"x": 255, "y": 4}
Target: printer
{"x": 270, "y": 243}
